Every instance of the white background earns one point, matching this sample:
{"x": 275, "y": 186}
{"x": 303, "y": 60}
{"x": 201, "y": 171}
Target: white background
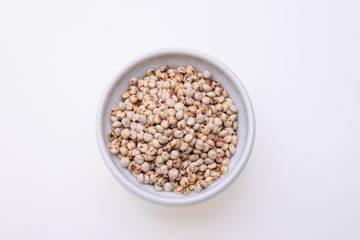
{"x": 299, "y": 61}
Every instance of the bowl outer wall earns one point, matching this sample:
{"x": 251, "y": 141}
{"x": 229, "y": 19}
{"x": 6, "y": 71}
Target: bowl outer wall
{"x": 226, "y": 179}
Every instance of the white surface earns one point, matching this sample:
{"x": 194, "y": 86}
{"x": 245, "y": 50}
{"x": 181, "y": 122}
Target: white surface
{"x": 298, "y": 59}
{"x": 175, "y": 57}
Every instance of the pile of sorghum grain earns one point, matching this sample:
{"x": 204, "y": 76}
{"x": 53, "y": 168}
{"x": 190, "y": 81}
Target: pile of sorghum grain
{"x": 175, "y": 129}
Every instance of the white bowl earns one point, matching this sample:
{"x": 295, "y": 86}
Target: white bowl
{"x": 177, "y": 57}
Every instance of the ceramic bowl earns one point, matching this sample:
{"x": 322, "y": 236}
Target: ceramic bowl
{"x": 177, "y": 57}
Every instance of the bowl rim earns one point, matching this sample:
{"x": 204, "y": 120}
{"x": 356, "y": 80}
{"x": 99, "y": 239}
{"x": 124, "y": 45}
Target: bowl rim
{"x": 249, "y": 142}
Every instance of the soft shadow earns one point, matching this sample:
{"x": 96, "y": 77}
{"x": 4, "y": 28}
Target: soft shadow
{"x": 218, "y": 205}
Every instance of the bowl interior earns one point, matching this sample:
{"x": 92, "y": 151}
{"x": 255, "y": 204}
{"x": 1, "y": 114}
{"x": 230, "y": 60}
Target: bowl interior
{"x": 138, "y": 68}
